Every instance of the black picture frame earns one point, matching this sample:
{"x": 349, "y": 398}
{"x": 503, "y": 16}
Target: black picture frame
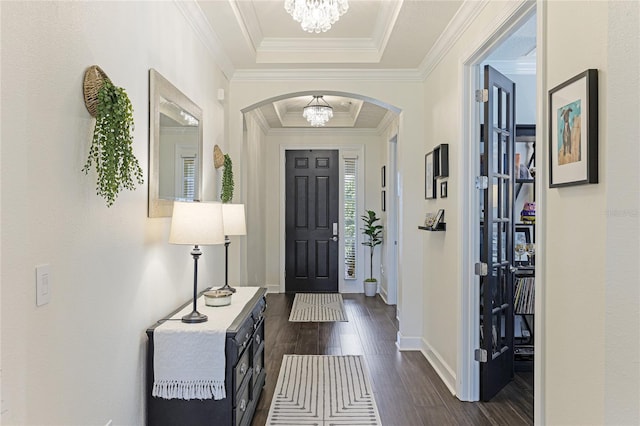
{"x": 442, "y": 160}
{"x": 383, "y": 176}
{"x": 383, "y": 198}
{"x": 522, "y": 231}
{"x": 573, "y": 131}
{"x": 443, "y": 189}
{"x": 429, "y": 176}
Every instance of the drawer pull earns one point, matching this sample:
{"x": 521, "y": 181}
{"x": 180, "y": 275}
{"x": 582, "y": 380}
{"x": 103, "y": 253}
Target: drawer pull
{"x": 258, "y": 338}
{"x": 246, "y": 339}
{"x": 243, "y": 405}
{"x": 243, "y": 369}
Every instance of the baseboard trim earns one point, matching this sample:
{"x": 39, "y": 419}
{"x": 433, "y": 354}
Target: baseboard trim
{"x": 446, "y": 373}
{"x": 383, "y": 294}
{"x": 405, "y": 343}
{"x": 273, "y": 288}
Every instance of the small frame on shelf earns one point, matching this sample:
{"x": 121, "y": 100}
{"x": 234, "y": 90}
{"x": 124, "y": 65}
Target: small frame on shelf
{"x": 573, "y": 131}
{"x": 434, "y": 222}
{"x": 429, "y": 176}
{"x": 441, "y": 159}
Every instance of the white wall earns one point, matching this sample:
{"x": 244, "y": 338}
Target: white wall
{"x": 575, "y": 251}
{"x": 80, "y": 359}
{"x": 353, "y": 140}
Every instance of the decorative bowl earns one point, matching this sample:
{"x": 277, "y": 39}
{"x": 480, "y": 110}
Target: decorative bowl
{"x": 217, "y": 297}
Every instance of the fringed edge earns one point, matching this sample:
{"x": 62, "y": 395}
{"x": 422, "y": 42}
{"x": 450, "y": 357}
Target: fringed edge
{"x": 195, "y": 389}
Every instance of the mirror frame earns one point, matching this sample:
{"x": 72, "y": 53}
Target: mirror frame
{"x": 160, "y": 87}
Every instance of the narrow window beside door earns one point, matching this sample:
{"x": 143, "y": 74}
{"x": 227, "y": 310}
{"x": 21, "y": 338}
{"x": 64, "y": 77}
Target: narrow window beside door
{"x": 350, "y": 217}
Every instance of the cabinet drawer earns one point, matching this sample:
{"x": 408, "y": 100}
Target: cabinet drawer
{"x": 241, "y": 369}
{"x": 258, "y": 337}
{"x": 242, "y": 402}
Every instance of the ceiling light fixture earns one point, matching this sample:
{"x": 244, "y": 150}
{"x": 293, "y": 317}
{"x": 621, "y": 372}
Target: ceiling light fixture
{"x": 317, "y": 113}
{"x": 316, "y": 15}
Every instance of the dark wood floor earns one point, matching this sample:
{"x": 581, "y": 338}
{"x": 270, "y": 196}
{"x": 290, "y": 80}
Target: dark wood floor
{"x": 407, "y": 389}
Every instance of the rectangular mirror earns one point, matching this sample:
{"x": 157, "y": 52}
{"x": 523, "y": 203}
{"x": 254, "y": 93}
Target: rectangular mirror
{"x": 175, "y": 147}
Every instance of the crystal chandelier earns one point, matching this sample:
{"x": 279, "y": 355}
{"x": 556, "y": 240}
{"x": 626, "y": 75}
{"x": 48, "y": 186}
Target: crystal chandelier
{"x": 316, "y": 15}
{"x": 317, "y": 113}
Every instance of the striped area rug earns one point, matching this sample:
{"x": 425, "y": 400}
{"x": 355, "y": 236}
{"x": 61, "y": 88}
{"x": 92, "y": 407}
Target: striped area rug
{"x": 323, "y": 390}
{"x": 317, "y": 307}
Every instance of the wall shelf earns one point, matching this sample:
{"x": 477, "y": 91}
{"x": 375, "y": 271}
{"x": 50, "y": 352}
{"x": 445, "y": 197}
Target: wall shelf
{"x": 440, "y": 227}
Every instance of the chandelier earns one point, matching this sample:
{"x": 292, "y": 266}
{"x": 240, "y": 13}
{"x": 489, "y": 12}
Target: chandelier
{"x": 316, "y": 15}
{"x": 317, "y": 113}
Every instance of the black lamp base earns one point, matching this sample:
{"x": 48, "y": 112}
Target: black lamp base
{"x": 227, "y": 287}
{"x": 194, "y": 317}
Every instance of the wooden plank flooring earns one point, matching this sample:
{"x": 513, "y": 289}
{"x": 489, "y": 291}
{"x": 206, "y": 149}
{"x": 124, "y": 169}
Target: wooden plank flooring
{"x": 408, "y": 391}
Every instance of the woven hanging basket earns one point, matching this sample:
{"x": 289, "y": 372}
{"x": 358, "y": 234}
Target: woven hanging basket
{"x": 218, "y": 157}
{"x": 94, "y": 78}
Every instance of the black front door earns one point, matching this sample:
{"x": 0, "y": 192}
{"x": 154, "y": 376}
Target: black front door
{"x": 496, "y": 282}
{"x": 311, "y": 221}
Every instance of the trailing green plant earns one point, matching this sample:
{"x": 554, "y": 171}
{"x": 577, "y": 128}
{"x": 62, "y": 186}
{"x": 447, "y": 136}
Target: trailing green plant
{"x": 373, "y": 232}
{"x": 227, "y": 180}
{"x": 111, "y": 147}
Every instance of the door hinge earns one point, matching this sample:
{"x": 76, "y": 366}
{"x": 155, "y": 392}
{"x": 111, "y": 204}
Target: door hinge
{"x": 480, "y": 355}
{"x": 482, "y": 182}
{"x": 482, "y": 95}
{"x": 480, "y": 268}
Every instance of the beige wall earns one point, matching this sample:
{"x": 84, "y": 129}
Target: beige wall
{"x": 80, "y": 359}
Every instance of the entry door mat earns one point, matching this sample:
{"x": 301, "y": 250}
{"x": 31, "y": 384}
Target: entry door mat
{"x": 323, "y": 390}
{"x": 317, "y": 307}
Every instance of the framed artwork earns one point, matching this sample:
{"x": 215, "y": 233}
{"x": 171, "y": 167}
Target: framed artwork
{"x": 439, "y": 218}
{"x": 522, "y": 233}
{"x": 573, "y": 131}
{"x": 383, "y": 173}
{"x": 442, "y": 160}
{"x": 429, "y": 176}
{"x": 383, "y": 197}
{"x": 443, "y": 189}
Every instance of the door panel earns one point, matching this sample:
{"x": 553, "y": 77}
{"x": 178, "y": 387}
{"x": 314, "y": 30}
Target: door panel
{"x": 312, "y": 193}
{"x": 496, "y": 288}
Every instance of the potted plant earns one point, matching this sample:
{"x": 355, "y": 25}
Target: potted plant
{"x": 373, "y": 232}
{"x": 111, "y": 148}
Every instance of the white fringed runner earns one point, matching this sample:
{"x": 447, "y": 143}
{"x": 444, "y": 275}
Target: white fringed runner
{"x": 189, "y": 359}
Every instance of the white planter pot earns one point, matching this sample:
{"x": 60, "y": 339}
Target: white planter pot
{"x": 370, "y": 288}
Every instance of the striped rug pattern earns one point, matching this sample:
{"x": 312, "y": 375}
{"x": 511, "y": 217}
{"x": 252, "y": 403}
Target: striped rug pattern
{"x": 323, "y": 390}
{"x": 317, "y": 307}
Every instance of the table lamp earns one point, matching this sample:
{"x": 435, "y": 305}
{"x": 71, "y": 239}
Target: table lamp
{"x": 196, "y": 223}
{"x": 234, "y": 224}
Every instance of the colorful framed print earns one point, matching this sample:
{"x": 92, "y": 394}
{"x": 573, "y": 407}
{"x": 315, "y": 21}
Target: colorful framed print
{"x": 573, "y": 131}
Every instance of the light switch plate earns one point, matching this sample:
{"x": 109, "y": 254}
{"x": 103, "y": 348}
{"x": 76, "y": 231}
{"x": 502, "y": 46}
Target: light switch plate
{"x": 43, "y": 285}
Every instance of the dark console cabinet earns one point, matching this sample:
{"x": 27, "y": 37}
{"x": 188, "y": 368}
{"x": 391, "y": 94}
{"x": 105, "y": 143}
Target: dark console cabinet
{"x": 244, "y": 377}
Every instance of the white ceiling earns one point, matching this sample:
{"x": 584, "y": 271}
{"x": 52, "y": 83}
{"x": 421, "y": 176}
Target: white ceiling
{"x": 252, "y": 37}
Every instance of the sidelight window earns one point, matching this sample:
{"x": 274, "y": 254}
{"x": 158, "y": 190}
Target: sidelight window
{"x": 350, "y": 184}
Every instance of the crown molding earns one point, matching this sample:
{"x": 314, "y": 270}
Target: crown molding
{"x": 198, "y": 21}
{"x": 248, "y": 22}
{"x": 260, "y": 119}
{"x": 386, "y": 121}
{"x": 324, "y": 131}
{"x": 386, "y": 21}
{"x": 456, "y": 27}
{"x": 355, "y": 74}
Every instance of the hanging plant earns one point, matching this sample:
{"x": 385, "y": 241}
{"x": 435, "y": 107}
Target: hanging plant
{"x": 227, "y": 180}
{"x": 111, "y": 147}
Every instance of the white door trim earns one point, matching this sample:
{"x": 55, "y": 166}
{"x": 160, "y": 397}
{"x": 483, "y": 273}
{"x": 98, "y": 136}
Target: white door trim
{"x": 468, "y": 371}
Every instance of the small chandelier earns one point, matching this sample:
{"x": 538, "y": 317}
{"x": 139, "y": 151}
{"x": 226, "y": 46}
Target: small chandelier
{"x": 316, "y": 15}
{"x": 317, "y": 113}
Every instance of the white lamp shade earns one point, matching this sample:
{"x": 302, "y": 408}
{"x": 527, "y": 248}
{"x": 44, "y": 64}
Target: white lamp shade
{"x": 234, "y": 222}
{"x": 197, "y": 223}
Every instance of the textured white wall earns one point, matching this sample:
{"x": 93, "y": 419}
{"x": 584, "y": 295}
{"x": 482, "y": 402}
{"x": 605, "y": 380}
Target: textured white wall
{"x": 80, "y": 359}
{"x": 576, "y": 227}
{"x": 622, "y": 179}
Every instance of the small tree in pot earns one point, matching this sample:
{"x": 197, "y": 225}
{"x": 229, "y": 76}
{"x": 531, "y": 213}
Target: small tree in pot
{"x": 373, "y": 232}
